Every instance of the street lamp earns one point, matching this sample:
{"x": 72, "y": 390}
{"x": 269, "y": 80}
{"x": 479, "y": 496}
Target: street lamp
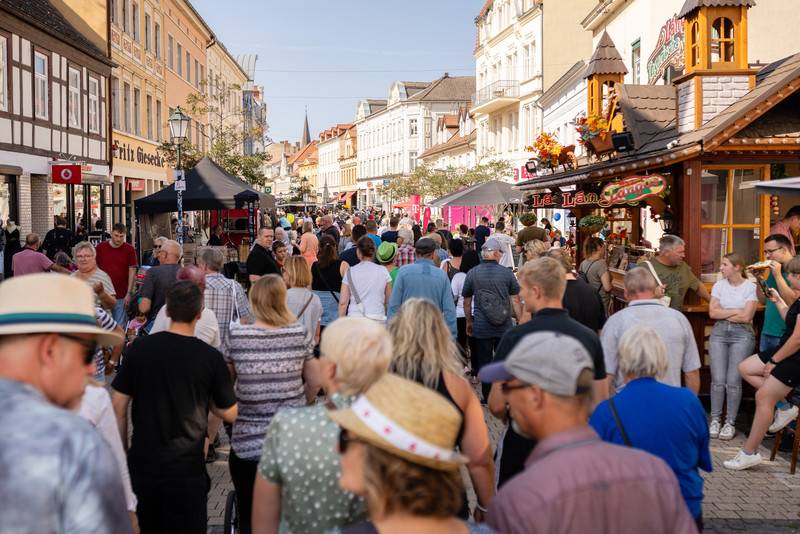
{"x": 178, "y": 127}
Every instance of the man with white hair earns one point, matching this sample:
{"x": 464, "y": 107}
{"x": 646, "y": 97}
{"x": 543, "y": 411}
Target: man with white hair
{"x": 159, "y": 279}
{"x": 674, "y": 274}
{"x": 671, "y": 325}
{"x": 486, "y": 328}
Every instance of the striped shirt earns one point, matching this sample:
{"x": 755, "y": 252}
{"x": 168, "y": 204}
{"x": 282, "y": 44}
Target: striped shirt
{"x": 269, "y": 368}
{"x": 106, "y": 322}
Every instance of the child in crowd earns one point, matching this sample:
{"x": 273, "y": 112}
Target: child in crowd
{"x": 62, "y": 260}
{"x": 279, "y": 250}
{"x": 134, "y": 325}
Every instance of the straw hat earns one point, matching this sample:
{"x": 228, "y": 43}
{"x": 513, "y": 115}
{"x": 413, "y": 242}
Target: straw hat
{"x": 408, "y": 420}
{"x": 45, "y": 303}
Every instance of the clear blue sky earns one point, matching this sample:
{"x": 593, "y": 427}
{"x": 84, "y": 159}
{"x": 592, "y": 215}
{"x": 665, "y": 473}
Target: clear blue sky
{"x": 328, "y": 55}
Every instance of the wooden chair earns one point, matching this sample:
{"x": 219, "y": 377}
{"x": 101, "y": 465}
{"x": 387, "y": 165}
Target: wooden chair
{"x": 796, "y": 402}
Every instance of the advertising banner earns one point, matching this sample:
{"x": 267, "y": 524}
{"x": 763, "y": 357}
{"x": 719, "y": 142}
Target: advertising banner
{"x": 66, "y": 174}
{"x": 416, "y": 206}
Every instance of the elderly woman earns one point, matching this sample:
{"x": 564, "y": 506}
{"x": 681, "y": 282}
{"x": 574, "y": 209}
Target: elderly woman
{"x": 300, "y": 300}
{"x": 663, "y": 420}
{"x": 301, "y": 442}
{"x": 424, "y": 352}
{"x": 88, "y": 271}
{"x": 366, "y": 287}
{"x": 409, "y": 475}
{"x": 152, "y": 260}
{"x": 269, "y": 361}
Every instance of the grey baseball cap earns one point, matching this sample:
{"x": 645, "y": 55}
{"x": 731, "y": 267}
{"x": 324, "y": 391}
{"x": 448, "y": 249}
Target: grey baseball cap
{"x": 550, "y": 360}
{"x": 425, "y": 246}
{"x": 492, "y": 243}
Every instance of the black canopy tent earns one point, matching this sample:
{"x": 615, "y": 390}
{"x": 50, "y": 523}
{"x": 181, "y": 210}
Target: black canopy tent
{"x": 208, "y": 187}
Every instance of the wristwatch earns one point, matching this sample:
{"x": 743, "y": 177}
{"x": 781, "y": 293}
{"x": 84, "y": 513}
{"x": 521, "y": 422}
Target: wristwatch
{"x": 113, "y": 364}
{"x": 773, "y": 362}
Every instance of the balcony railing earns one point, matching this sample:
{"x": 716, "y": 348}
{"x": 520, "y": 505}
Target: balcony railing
{"x": 499, "y": 89}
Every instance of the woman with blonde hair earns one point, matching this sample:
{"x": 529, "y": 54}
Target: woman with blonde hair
{"x": 534, "y": 248}
{"x": 424, "y": 352}
{"x": 268, "y": 361}
{"x": 344, "y": 239}
{"x": 300, "y": 300}
{"x": 309, "y": 244}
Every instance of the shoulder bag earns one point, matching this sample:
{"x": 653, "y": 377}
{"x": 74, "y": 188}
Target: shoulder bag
{"x": 584, "y": 275}
{"x": 380, "y": 318}
{"x": 619, "y": 422}
{"x": 302, "y": 311}
{"x": 665, "y": 300}
{"x": 234, "y": 308}
{"x": 496, "y": 309}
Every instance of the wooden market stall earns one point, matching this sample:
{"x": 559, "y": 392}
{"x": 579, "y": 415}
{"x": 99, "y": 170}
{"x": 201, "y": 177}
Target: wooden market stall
{"x": 709, "y": 137}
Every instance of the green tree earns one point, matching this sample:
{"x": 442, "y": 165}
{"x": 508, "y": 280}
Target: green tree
{"x": 224, "y": 139}
{"x": 430, "y": 182}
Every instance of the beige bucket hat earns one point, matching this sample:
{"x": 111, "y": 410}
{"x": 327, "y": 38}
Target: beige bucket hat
{"x": 45, "y": 303}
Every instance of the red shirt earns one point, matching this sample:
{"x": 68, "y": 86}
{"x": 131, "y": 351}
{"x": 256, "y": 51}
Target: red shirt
{"x": 116, "y": 262}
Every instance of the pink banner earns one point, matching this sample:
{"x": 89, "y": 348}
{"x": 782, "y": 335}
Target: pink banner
{"x": 426, "y": 219}
{"x": 416, "y": 206}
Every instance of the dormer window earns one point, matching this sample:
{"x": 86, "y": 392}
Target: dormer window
{"x": 694, "y": 44}
{"x": 722, "y": 41}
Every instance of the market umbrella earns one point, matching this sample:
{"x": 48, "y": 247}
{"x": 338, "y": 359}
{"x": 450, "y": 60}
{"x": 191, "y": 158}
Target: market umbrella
{"x": 484, "y": 194}
{"x": 789, "y": 187}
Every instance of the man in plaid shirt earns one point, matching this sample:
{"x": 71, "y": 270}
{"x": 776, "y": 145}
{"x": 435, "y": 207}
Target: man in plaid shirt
{"x": 406, "y": 253}
{"x": 219, "y": 298}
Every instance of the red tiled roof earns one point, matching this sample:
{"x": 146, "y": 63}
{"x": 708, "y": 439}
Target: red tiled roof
{"x": 455, "y": 141}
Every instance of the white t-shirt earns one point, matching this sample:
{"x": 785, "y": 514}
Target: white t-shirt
{"x": 370, "y": 280}
{"x": 734, "y": 297}
{"x": 457, "y": 284}
{"x": 507, "y": 259}
{"x": 296, "y": 298}
{"x": 96, "y": 408}
{"x": 206, "y": 329}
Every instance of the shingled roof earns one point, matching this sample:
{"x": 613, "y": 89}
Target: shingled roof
{"x": 649, "y": 112}
{"x": 446, "y": 89}
{"x": 606, "y": 59}
{"x": 44, "y": 15}
{"x": 455, "y": 141}
{"x": 691, "y": 5}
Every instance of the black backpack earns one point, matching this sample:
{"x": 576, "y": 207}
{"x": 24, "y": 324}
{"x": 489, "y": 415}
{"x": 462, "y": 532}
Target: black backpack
{"x": 583, "y": 275}
{"x": 496, "y": 309}
{"x": 58, "y": 241}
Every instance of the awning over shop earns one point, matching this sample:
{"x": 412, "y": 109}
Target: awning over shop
{"x": 337, "y": 198}
{"x": 789, "y": 187}
{"x": 483, "y": 194}
{"x": 348, "y": 195}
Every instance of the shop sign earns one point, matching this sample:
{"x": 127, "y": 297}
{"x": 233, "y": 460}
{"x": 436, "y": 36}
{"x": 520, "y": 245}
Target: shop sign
{"x": 633, "y": 189}
{"x": 369, "y": 184}
{"x": 668, "y": 51}
{"x": 135, "y": 185}
{"x": 66, "y": 174}
{"x": 416, "y": 206}
{"x": 126, "y": 152}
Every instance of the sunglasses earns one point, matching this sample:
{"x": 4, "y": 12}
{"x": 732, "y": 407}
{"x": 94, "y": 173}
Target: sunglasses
{"x": 91, "y": 346}
{"x": 505, "y": 388}
{"x": 344, "y": 439}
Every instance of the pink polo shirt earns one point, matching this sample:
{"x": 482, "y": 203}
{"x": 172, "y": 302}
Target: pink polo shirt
{"x": 29, "y": 261}
{"x": 781, "y": 228}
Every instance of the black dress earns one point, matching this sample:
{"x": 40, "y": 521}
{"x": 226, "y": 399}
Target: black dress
{"x": 12, "y": 247}
{"x": 788, "y": 370}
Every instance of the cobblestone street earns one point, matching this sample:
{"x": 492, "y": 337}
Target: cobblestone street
{"x": 761, "y": 500}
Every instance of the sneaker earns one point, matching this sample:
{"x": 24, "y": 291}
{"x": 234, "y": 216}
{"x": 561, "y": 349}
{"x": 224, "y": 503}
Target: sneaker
{"x": 713, "y": 429}
{"x": 783, "y": 418}
{"x": 727, "y": 432}
{"x": 743, "y": 461}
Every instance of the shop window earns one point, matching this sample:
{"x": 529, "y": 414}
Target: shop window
{"x": 722, "y": 41}
{"x": 730, "y": 216}
{"x": 40, "y": 86}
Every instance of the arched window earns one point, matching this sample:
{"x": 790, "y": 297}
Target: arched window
{"x": 722, "y": 41}
{"x": 694, "y": 43}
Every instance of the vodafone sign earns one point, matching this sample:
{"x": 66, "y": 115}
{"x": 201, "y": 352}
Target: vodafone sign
{"x": 66, "y": 174}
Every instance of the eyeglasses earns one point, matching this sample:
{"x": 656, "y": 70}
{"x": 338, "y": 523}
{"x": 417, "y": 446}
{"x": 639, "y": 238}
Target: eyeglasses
{"x": 505, "y": 388}
{"x": 84, "y": 257}
{"x": 344, "y": 439}
{"x": 768, "y": 251}
{"x": 91, "y": 346}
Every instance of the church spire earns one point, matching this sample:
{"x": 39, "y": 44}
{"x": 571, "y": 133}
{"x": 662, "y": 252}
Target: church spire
{"x": 306, "y": 139}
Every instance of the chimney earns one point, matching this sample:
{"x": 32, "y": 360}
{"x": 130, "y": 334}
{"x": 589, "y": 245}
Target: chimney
{"x": 446, "y": 74}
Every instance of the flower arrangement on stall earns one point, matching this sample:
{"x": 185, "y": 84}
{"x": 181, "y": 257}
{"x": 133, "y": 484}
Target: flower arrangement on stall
{"x": 591, "y": 224}
{"x": 589, "y": 128}
{"x": 547, "y": 149}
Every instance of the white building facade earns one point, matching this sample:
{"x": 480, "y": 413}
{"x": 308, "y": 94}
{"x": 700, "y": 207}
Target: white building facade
{"x": 508, "y": 61}
{"x": 392, "y": 134}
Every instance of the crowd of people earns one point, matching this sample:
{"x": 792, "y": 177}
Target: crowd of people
{"x": 355, "y": 370}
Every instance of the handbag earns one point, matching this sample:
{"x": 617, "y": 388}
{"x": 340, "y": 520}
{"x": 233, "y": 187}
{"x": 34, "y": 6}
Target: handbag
{"x": 496, "y": 309}
{"x": 234, "y": 307}
{"x": 619, "y": 422}
{"x": 665, "y": 300}
{"x": 379, "y": 318}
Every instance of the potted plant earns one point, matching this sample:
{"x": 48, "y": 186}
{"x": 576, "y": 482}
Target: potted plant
{"x": 591, "y": 224}
{"x": 594, "y": 136}
{"x": 528, "y": 219}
